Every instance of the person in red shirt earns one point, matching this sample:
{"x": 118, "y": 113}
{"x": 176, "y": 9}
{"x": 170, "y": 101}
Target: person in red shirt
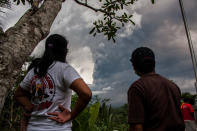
{"x": 188, "y": 115}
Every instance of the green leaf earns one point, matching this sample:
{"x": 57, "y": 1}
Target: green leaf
{"x": 94, "y": 111}
{"x": 18, "y": 2}
{"x": 125, "y": 14}
{"x": 92, "y": 30}
{"x": 76, "y": 125}
{"x": 121, "y": 6}
{"x": 98, "y": 30}
{"x": 130, "y": 16}
{"x": 82, "y": 119}
{"x": 114, "y": 42}
{"x": 132, "y": 22}
{"x": 31, "y": 1}
{"x": 23, "y": 1}
{"x": 109, "y": 38}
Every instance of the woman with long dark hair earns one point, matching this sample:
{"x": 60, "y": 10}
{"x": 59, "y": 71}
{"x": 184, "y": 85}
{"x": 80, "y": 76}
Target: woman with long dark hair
{"x": 50, "y": 82}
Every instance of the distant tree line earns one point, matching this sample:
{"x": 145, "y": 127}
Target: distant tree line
{"x": 191, "y": 98}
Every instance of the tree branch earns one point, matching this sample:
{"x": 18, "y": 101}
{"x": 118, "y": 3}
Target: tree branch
{"x": 88, "y": 6}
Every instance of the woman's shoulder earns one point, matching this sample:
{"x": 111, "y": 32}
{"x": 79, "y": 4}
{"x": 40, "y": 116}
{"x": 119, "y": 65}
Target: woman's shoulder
{"x": 65, "y": 68}
{"x": 62, "y": 65}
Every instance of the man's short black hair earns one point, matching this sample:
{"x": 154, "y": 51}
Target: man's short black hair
{"x": 143, "y": 59}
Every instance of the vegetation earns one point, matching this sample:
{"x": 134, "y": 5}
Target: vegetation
{"x": 112, "y": 19}
{"x": 189, "y": 97}
{"x": 120, "y": 118}
{"x": 98, "y": 116}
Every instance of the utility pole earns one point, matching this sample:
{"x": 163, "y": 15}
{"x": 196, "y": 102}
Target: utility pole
{"x": 189, "y": 41}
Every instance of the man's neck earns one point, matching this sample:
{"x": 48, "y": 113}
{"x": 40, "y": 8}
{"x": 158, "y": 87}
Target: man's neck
{"x": 149, "y": 73}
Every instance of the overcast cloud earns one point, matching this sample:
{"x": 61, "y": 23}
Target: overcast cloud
{"x": 105, "y": 65}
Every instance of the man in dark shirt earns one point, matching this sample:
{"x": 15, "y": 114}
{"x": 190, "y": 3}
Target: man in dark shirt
{"x": 154, "y": 101}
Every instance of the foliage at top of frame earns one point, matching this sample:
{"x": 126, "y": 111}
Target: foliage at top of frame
{"x": 112, "y": 20}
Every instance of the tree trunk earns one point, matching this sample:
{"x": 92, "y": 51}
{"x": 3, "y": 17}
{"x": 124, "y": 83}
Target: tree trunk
{"x": 17, "y": 43}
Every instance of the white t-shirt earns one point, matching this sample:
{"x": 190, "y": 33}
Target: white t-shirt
{"x": 47, "y": 93}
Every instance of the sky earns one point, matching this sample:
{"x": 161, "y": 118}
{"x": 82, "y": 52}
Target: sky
{"x": 105, "y": 65}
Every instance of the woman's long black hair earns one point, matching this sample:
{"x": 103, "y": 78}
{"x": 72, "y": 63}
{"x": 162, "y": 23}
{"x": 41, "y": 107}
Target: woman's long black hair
{"x": 55, "y": 50}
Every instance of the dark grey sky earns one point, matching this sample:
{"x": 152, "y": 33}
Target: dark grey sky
{"x": 105, "y": 66}
{"x": 162, "y": 30}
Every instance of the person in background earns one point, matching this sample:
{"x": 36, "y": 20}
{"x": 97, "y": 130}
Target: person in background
{"x": 153, "y": 101}
{"x": 50, "y": 83}
{"x": 188, "y": 115}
